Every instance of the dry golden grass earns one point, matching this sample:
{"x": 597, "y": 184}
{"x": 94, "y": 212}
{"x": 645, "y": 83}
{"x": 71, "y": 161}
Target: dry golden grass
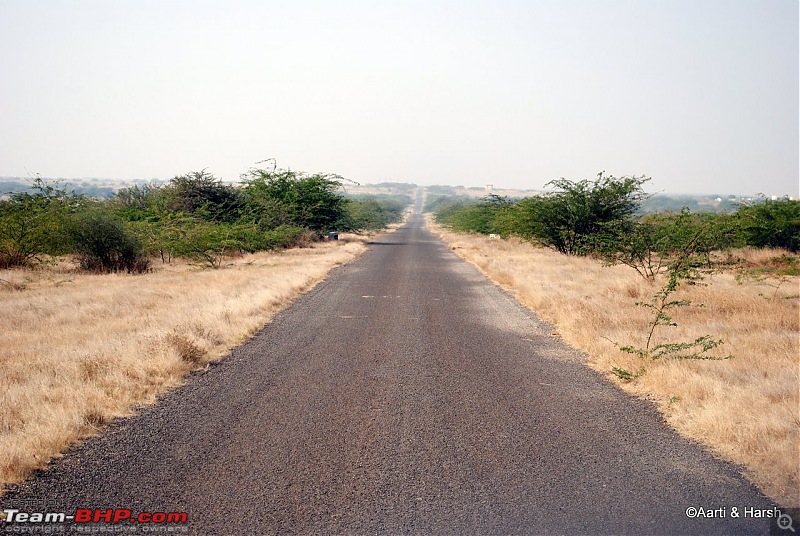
{"x": 77, "y": 350}
{"x": 746, "y": 409}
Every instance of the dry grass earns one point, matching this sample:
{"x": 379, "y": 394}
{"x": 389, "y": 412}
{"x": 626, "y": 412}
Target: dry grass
{"x": 746, "y": 409}
{"x": 77, "y": 350}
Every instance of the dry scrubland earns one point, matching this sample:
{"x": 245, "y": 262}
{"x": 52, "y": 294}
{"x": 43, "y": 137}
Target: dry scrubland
{"x": 747, "y": 409}
{"x": 77, "y": 350}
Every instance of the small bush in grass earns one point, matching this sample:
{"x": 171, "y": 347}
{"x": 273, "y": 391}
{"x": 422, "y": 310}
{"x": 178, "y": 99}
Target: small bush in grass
{"x": 186, "y": 348}
{"x": 104, "y": 245}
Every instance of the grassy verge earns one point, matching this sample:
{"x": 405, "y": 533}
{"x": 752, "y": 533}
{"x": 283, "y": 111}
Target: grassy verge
{"x": 77, "y": 350}
{"x": 746, "y": 409}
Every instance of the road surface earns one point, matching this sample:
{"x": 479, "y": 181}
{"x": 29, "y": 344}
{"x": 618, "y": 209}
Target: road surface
{"x": 406, "y": 394}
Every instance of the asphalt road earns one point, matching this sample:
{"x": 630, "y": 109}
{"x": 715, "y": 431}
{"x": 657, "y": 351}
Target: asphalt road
{"x": 406, "y": 394}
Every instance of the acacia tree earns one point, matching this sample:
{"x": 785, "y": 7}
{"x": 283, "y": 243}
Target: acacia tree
{"x": 654, "y": 241}
{"x": 285, "y": 197}
{"x": 772, "y": 223}
{"x": 203, "y": 195}
{"x": 577, "y": 213}
{"x": 32, "y": 223}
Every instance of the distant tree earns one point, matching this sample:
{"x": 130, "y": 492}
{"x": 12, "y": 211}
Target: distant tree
{"x": 369, "y": 212}
{"x": 442, "y": 204}
{"x": 478, "y": 217}
{"x": 366, "y": 214}
{"x": 403, "y": 187}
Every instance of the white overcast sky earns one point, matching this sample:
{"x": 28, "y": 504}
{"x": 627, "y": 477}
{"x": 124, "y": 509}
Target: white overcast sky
{"x": 701, "y": 95}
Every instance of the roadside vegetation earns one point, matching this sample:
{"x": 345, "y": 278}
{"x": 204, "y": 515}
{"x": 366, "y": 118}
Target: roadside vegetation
{"x": 606, "y": 216}
{"x": 194, "y": 216}
{"x": 699, "y": 312}
{"x": 109, "y": 302}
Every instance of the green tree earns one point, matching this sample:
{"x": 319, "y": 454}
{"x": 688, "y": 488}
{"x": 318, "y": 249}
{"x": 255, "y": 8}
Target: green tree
{"x": 772, "y": 223}
{"x": 652, "y": 242}
{"x": 366, "y": 214}
{"x": 146, "y": 202}
{"x": 203, "y": 195}
{"x": 163, "y": 236}
{"x": 478, "y": 217}
{"x": 374, "y": 211}
{"x": 285, "y": 197}
{"x": 33, "y": 223}
{"x": 104, "y": 245}
{"x": 572, "y": 217}
{"x": 687, "y": 266}
{"x": 207, "y": 241}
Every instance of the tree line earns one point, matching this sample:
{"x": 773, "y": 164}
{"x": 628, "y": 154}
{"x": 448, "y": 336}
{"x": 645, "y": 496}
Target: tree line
{"x": 603, "y": 217}
{"x": 195, "y": 215}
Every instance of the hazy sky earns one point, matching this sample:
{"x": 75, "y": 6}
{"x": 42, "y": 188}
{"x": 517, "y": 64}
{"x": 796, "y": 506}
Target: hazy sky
{"x": 702, "y": 95}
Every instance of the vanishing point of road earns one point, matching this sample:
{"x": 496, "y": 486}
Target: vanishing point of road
{"x": 405, "y": 394}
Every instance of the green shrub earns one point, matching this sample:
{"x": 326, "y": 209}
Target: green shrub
{"x": 284, "y": 236}
{"x": 571, "y": 218}
{"x": 204, "y": 196}
{"x": 104, "y": 245}
{"x": 439, "y": 204}
{"x": 374, "y": 211}
{"x": 206, "y": 241}
{"x": 285, "y": 197}
{"x": 652, "y": 242}
{"x": 480, "y": 217}
{"x": 33, "y": 223}
{"x": 252, "y": 237}
{"x": 26, "y": 230}
{"x": 772, "y": 223}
